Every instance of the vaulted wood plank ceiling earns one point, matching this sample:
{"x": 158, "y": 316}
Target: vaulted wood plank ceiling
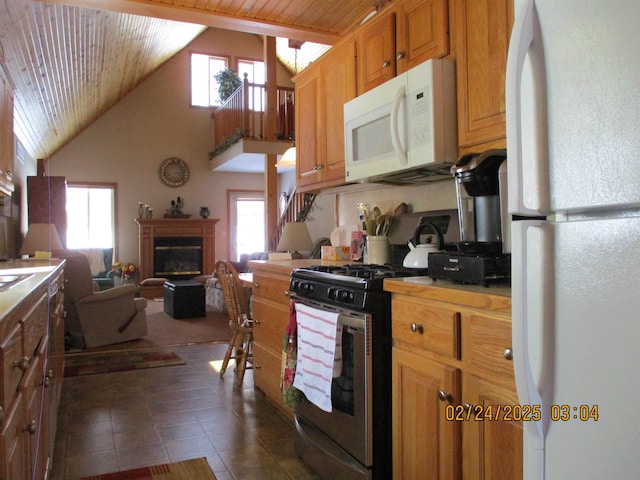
{"x": 71, "y": 60}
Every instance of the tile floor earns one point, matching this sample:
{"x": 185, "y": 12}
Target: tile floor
{"x": 117, "y": 421}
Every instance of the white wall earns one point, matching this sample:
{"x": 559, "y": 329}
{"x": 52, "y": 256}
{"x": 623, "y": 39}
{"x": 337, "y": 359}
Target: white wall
{"x": 129, "y": 142}
{"x": 430, "y": 196}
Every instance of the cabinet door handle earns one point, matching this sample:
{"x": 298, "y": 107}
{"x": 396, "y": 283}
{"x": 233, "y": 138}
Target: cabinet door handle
{"x": 386, "y": 64}
{"x": 32, "y": 428}
{"x": 508, "y": 353}
{"x": 48, "y": 378}
{"x": 22, "y": 364}
{"x": 257, "y": 366}
{"x": 400, "y": 55}
{"x": 256, "y": 285}
{"x": 287, "y": 293}
{"x": 444, "y": 396}
{"x": 256, "y": 321}
{"x": 417, "y": 328}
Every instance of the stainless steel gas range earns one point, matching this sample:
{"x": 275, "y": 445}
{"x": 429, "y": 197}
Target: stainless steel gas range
{"x": 354, "y": 440}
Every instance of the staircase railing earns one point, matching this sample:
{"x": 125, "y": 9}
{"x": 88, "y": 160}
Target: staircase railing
{"x": 297, "y": 209}
{"x": 243, "y": 114}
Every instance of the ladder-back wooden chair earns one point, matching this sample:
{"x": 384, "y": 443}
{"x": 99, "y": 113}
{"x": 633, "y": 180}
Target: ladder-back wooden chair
{"x": 241, "y": 344}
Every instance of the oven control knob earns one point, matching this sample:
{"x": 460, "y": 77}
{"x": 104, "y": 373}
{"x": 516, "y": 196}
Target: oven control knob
{"x": 345, "y": 296}
{"x": 332, "y": 293}
{"x": 307, "y": 287}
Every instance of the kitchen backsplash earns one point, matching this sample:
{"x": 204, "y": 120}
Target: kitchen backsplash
{"x": 339, "y": 206}
{"x": 432, "y": 196}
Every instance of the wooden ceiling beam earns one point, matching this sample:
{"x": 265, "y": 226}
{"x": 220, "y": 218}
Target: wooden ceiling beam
{"x": 199, "y": 17}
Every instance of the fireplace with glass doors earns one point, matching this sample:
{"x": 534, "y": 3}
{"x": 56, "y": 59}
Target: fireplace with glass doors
{"x": 177, "y": 249}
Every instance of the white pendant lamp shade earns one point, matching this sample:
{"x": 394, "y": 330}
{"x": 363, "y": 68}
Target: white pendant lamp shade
{"x": 288, "y": 159}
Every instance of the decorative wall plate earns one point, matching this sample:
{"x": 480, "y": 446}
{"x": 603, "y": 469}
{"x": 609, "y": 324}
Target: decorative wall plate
{"x": 174, "y": 172}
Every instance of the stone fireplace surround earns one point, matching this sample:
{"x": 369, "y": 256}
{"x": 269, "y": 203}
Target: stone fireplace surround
{"x": 149, "y": 229}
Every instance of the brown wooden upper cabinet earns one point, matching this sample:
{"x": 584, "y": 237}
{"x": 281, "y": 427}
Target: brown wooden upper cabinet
{"x": 482, "y": 29}
{"x": 396, "y": 40}
{"x": 321, "y": 91}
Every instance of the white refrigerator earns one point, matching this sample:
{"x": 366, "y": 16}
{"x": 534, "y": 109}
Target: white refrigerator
{"x": 573, "y": 144}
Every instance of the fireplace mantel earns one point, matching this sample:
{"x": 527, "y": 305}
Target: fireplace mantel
{"x": 148, "y": 229}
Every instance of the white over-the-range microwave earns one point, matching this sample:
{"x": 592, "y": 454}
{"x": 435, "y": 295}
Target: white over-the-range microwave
{"x": 404, "y": 131}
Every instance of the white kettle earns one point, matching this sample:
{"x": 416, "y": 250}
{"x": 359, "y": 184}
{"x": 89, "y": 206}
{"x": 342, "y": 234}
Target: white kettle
{"x": 418, "y": 256}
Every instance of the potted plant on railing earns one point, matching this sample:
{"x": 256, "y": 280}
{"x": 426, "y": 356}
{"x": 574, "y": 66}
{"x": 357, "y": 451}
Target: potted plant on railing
{"x": 228, "y": 81}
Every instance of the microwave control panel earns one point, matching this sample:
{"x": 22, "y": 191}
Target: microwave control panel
{"x": 419, "y": 110}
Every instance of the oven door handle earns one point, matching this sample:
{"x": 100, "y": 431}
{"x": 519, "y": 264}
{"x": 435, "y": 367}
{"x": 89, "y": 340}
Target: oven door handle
{"x": 346, "y": 318}
{"x": 352, "y": 324}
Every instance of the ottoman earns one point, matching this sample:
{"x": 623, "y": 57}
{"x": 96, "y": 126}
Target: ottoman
{"x": 184, "y": 298}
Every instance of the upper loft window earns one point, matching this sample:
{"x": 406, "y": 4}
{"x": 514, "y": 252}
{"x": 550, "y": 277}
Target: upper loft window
{"x": 204, "y": 87}
{"x": 253, "y": 69}
{"x": 255, "y": 74}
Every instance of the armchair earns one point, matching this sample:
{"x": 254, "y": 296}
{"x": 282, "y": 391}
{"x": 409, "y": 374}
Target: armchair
{"x": 104, "y": 279}
{"x": 97, "y": 318}
{"x": 100, "y": 261}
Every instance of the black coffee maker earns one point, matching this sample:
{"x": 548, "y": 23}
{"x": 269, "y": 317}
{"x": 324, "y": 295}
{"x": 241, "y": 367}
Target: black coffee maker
{"x": 480, "y": 255}
{"x": 479, "y": 206}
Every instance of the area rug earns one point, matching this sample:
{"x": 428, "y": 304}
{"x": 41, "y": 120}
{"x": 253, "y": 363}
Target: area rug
{"x": 88, "y": 364}
{"x": 196, "y": 469}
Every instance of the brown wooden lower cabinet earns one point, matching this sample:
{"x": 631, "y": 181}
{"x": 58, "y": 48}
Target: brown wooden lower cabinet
{"x": 453, "y": 383}
{"x": 270, "y": 303}
{"x": 266, "y": 373}
{"x": 32, "y": 362}
{"x": 492, "y": 447}
{"x": 425, "y": 444}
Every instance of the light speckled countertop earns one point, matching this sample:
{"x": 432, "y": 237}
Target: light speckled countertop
{"x": 40, "y": 270}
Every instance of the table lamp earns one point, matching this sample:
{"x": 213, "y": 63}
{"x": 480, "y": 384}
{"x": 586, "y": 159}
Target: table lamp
{"x": 295, "y": 237}
{"x": 40, "y": 241}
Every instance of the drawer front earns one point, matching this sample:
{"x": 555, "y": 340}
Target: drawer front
{"x": 12, "y": 358}
{"x": 266, "y": 372}
{"x": 13, "y": 438}
{"x": 486, "y": 344}
{"x": 56, "y": 284}
{"x": 35, "y": 324}
{"x": 270, "y": 321}
{"x": 275, "y": 289}
{"x": 425, "y": 326}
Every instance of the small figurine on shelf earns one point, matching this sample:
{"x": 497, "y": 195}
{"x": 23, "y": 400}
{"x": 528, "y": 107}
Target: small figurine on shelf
{"x": 176, "y": 209}
{"x": 176, "y": 206}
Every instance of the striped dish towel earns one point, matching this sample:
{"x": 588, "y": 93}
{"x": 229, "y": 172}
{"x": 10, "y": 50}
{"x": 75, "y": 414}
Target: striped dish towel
{"x": 317, "y": 333}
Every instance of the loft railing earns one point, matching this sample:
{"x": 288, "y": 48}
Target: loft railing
{"x": 243, "y": 114}
{"x": 297, "y": 209}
